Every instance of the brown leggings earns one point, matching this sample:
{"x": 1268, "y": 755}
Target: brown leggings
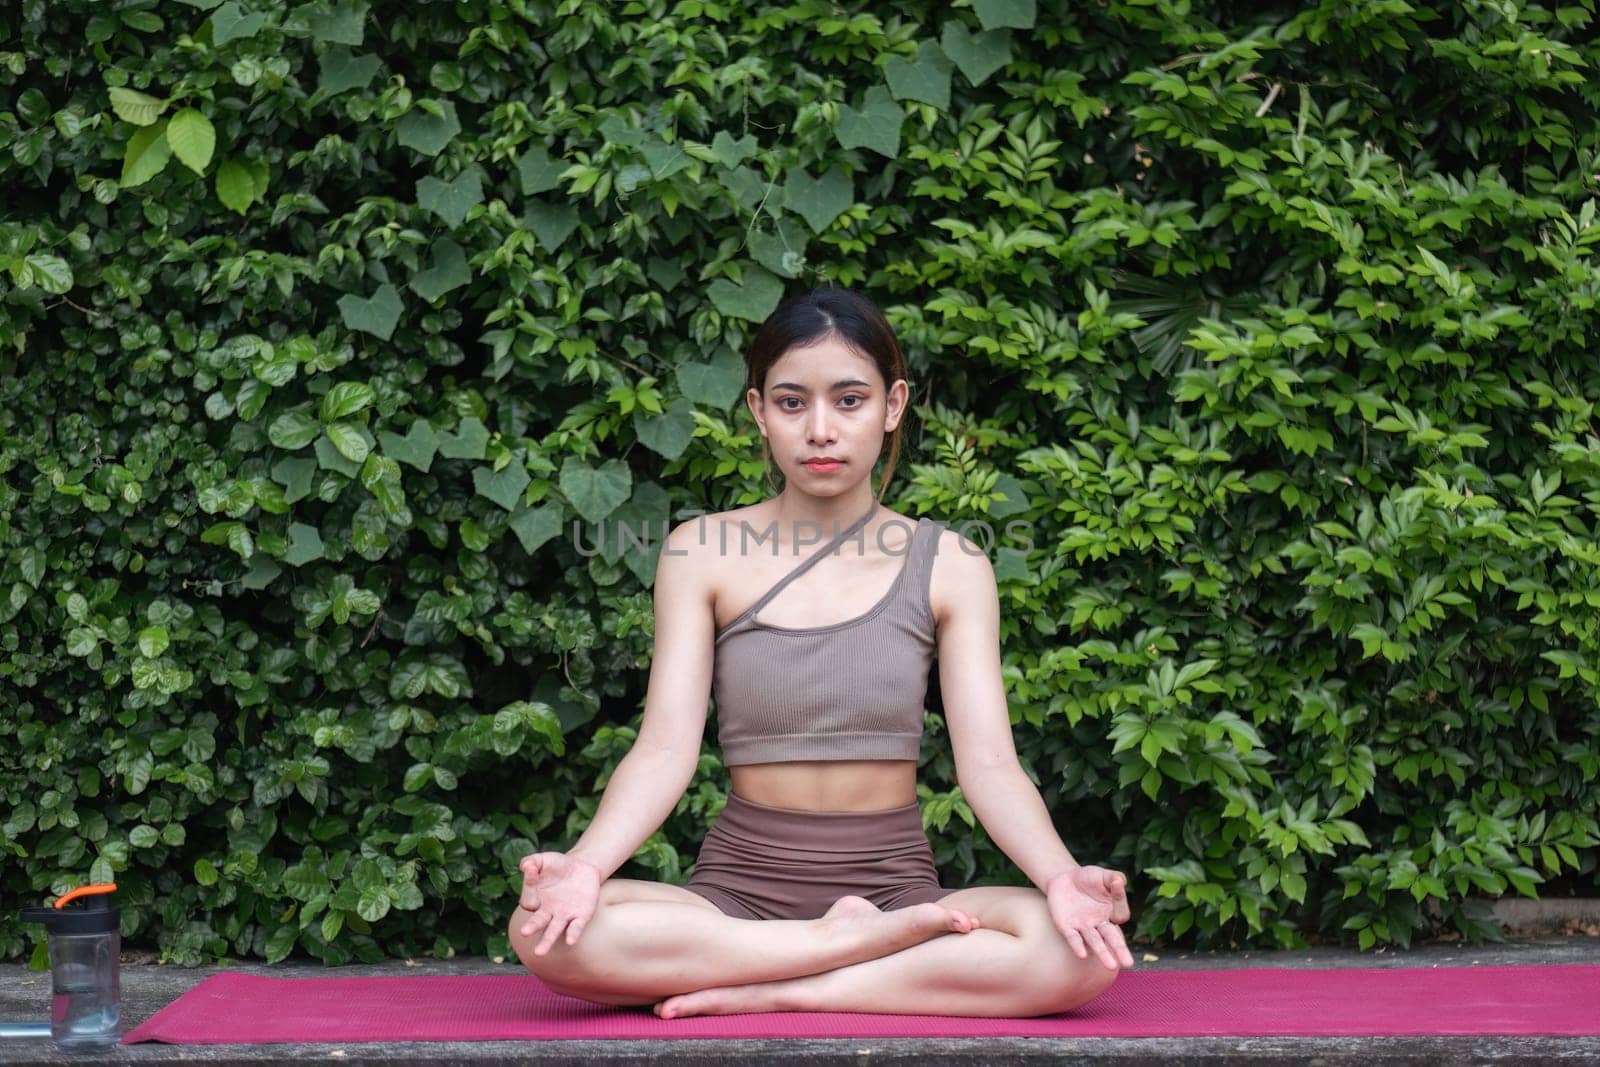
{"x": 759, "y": 862}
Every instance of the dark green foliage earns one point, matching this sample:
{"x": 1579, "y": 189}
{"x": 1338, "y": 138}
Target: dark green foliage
{"x": 324, "y": 324}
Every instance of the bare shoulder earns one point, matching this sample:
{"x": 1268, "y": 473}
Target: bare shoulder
{"x": 962, "y": 577}
{"x": 698, "y": 549}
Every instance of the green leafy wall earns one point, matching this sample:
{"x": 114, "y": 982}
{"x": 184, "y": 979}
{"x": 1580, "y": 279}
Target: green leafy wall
{"x": 323, "y": 323}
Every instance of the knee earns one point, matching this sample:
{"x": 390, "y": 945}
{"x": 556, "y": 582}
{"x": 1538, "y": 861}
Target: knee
{"x": 1059, "y": 981}
{"x": 1086, "y": 980}
{"x": 556, "y": 968}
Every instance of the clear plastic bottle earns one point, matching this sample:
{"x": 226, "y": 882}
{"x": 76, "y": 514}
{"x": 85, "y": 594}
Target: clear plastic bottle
{"x": 85, "y": 943}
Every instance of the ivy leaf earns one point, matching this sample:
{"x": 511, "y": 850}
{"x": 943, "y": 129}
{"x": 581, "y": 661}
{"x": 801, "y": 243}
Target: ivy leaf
{"x": 146, "y": 155}
{"x": 228, "y": 23}
{"x": 416, "y": 448}
{"x": 373, "y": 904}
{"x": 669, "y": 433}
{"x": 236, "y": 187}
{"x": 427, "y": 132}
{"x": 997, "y": 14}
{"x": 1016, "y": 498}
{"x": 343, "y": 71}
{"x": 551, "y": 223}
{"x": 50, "y": 273}
{"x": 305, "y": 545}
{"x": 751, "y": 190}
{"x": 346, "y": 398}
{"x": 819, "y": 200}
{"x": 192, "y": 139}
{"x": 537, "y": 171}
{"x": 329, "y": 458}
{"x": 381, "y": 477}
{"x": 876, "y": 125}
{"x": 716, "y": 384}
{"x": 153, "y": 640}
{"x": 665, "y": 159}
{"x": 141, "y": 109}
{"x": 447, "y": 271}
{"x": 666, "y": 273}
{"x": 783, "y": 252}
{"x": 350, "y": 441}
{"x": 977, "y": 54}
{"x": 535, "y": 526}
{"x": 261, "y": 573}
{"x": 280, "y": 943}
{"x": 753, "y": 299}
{"x": 470, "y": 441}
{"x": 731, "y": 153}
{"x": 295, "y": 476}
{"x": 376, "y": 314}
{"x": 339, "y": 23}
{"x": 503, "y": 486}
{"x": 293, "y": 430}
{"x": 925, "y": 79}
{"x": 453, "y": 199}
{"x": 595, "y": 492}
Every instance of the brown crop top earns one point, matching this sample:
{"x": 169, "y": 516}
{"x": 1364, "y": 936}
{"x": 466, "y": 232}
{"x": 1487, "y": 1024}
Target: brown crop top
{"x": 848, "y": 690}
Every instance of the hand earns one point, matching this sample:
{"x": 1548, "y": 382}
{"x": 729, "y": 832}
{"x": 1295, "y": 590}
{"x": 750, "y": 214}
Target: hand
{"x": 562, "y": 892}
{"x": 1088, "y": 904}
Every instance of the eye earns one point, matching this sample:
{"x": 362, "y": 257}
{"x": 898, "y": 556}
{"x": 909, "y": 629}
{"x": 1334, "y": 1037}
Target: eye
{"x": 853, "y": 396}
{"x": 783, "y": 402}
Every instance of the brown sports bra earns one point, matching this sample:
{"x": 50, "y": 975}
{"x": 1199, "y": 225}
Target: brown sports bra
{"x": 848, "y": 690}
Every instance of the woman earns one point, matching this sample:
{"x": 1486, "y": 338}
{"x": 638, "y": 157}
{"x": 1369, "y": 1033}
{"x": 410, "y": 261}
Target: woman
{"x": 815, "y": 888}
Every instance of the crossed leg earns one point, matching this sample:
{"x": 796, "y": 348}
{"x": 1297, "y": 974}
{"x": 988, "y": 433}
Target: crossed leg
{"x": 1016, "y": 964}
{"x": 663, "y": 945}
{"x": 649, "y": 940}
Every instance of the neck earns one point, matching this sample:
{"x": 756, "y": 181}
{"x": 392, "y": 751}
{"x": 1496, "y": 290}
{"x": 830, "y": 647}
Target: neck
{"x": 830, "y": 515}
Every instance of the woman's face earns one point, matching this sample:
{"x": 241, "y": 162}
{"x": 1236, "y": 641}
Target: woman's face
{"x": 822, "y": 402}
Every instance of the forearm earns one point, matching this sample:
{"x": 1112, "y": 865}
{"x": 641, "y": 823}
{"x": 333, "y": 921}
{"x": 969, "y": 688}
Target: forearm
{"x": 1009, "y": 806}
{"x": 642, "y": 792}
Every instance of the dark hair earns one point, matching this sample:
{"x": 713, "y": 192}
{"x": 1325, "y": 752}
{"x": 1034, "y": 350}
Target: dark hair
{"x": 810, "y": 317}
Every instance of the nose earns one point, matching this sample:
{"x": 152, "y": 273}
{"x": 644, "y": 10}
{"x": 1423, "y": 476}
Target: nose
{"x": 818, "y": 428}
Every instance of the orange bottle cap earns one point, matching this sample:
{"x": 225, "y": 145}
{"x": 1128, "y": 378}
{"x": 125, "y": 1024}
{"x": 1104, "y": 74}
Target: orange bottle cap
{"x": 85, "y": 891}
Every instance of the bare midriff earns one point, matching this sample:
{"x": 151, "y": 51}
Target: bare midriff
{"x": 828, "y": 785}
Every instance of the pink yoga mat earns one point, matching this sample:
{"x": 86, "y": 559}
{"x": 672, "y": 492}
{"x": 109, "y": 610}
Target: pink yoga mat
{"x": 1254, "y": 1002}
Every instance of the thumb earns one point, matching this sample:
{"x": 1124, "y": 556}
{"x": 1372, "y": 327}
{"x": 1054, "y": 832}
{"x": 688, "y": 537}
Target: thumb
{"x": 1114, "y": 881}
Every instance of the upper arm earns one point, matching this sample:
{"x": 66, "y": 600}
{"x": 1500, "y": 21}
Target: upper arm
{"x": 679, "y": 689}
{"x": 967, "y": 610}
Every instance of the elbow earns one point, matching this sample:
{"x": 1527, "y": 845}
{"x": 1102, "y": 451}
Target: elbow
{"x": 983, "y": 777}
{"x": 676, "y": 763}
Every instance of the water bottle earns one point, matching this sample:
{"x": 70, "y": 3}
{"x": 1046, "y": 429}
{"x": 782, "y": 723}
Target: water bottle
{"x": 85, "y": 941}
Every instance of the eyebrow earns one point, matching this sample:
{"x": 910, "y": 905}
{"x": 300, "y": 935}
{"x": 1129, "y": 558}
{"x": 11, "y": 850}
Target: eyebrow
{"x": 843, "y": 383}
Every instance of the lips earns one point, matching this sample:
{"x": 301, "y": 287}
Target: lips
{"x": 823, "y": 465}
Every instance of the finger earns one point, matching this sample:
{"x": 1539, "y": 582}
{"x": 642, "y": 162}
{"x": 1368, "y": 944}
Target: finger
{"x": 552, "y": 934}
{"x": 575, "y": 930}
{"x": 530, "y": 900}
{"x": 536, "y": 922}
{"x": 1120, "y": 912}
{"x": 1097, "y": 944}
{"x": 1118, "y": 943}
{"x": 1075, "y": 942}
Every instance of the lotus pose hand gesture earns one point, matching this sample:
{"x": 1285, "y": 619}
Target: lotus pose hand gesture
{"x": 1088, "y": 904}
{"x": 560, "y": 892}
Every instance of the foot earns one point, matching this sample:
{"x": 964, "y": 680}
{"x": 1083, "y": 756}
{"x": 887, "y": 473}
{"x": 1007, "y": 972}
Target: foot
{"x": 855, "y": 921}
{"x": 860, "y": 924}
{"x": 729, "y": 1000}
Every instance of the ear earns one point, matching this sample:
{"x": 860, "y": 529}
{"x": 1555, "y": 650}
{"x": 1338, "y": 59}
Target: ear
{"x": 899, "y": 397}
{"x": 752, "y": 399}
